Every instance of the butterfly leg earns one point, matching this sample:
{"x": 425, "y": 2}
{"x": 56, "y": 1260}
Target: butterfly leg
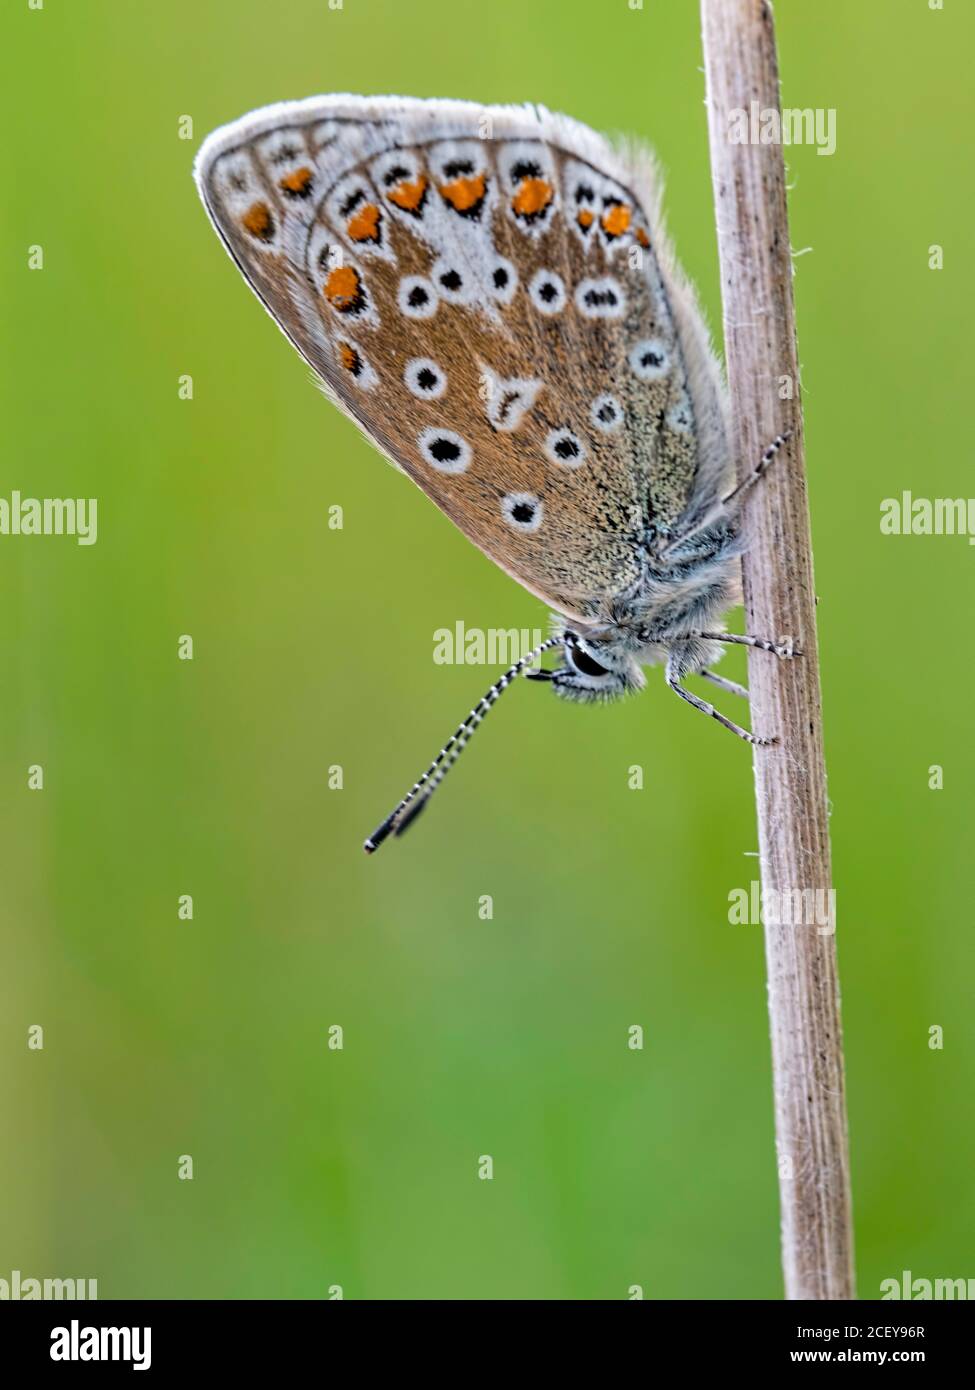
{"x": 784, "y": 648}
{"x": 673, "y": 675}
{"x": 732, "y": 687}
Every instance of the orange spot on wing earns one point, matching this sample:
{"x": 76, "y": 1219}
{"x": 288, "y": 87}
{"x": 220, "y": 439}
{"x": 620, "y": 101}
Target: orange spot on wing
{"x": 642, "y": 237}
{"x": 364, "y": 226}
{"x": 616, "y": 219}
{"x": 533, "y": 197}
{"x": 297, "y": 183}
{"x": 258, "y": 221}
{"x": 349, "y": 358}
{"x": 464, "y": 193}
{"x": 343, "y": 288}
{"x": 409, "y": 196}
{"x": 585, "y": 218}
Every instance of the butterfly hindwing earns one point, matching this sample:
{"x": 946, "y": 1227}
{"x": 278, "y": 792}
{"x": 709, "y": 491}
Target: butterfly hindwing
{"x": 486, "y": 291}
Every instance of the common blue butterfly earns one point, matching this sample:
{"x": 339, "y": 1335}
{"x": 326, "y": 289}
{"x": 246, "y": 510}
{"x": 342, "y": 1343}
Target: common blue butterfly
{"x": 489, "y": 293}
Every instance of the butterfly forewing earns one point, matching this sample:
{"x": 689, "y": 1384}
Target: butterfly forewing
{"x": 485, "y": 291}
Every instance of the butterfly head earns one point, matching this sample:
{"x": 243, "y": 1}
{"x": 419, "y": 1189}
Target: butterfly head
{"x": 592, "y": 670}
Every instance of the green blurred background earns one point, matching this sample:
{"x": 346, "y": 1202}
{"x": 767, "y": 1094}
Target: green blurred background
{"x": 313, "y": 647}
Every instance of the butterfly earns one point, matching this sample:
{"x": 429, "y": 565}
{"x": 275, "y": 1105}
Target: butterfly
{"x": 489, "y": 293}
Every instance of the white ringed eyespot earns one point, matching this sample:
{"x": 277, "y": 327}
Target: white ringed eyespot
{"x": 445, "y": 450}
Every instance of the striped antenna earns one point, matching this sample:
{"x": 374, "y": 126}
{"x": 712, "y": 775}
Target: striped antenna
{"x": 420, "y": 793}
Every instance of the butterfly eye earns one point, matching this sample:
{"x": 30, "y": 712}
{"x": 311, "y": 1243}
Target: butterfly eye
{"x": 580, "y": 659}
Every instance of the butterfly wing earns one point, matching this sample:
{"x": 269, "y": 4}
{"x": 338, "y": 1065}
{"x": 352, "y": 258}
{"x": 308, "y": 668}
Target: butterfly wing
{"x": 487, "y": 292}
